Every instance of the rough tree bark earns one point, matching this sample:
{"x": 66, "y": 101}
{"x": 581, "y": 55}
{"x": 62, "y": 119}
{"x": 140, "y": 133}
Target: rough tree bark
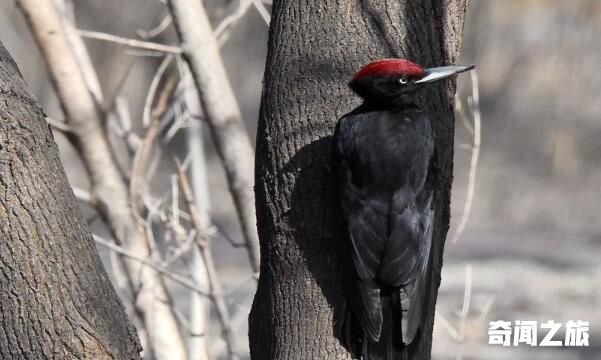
{"x": 56, "y": 301}
{"x": 85, "y": 118}
{"x": 314, "y": 48}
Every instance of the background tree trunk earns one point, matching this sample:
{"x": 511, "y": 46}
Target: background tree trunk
{"x": 315, "y": 46}
{"x": 56, "y": 299}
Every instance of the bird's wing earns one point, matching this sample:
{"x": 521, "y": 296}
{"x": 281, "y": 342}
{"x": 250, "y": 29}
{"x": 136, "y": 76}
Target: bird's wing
{"x": 366, "y": 226}
{"x": 406, "y": 261}
{"x": 366, "y": 305}
{"x": 367, "y": 232}
{"x": 366, "y": 216}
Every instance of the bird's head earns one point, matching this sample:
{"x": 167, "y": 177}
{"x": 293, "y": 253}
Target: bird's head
{"x": 390, "y": 81}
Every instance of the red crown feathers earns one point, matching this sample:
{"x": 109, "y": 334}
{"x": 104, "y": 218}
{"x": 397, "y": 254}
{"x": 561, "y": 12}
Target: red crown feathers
{"x": 389, "y": 67}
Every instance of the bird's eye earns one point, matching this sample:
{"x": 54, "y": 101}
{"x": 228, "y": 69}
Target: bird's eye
{"x": 403, "y": 80}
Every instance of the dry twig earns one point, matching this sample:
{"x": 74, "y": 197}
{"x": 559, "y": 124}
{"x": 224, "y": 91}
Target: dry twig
{"x": 80, "y": 51}
{"x": 157, "y": 30}
{"x": 260, "y": 6}
{"x": 137, "y": 184}
{"x": 58, "y": 125}
{"x": 132, "y": 43}
{"x": 181, "y": 280}
{"x": 216, "y": 292}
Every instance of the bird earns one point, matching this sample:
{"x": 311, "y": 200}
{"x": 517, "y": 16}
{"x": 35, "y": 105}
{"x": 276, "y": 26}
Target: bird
{"x": 383, "y": 152}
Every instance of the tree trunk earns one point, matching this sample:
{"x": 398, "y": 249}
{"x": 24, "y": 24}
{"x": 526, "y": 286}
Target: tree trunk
{"x": 56, "y": 301}
{"x": 315, "y": 46}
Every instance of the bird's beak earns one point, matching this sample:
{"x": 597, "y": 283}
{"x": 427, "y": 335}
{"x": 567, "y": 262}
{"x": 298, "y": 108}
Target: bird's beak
{"x": 443, "y": 72}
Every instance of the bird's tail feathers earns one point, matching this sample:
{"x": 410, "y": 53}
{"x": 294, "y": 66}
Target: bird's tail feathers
{"x": 390, "y": 345}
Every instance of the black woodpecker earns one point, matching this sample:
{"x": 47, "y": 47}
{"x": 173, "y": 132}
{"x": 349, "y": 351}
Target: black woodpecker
{"x": 383, "y": 151}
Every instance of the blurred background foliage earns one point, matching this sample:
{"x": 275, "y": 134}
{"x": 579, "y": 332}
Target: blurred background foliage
{"x": 531, "y": 248}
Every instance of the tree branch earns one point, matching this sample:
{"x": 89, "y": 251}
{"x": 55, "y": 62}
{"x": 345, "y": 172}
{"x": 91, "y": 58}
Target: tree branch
{"x": 216, "y": 290}
{"x": 475, "y": 131}
{"x": 182, "y": 280}
{"x": 58, "y": 125}
{"x": 132, "y": 43}
{"x": 201, "y": 52}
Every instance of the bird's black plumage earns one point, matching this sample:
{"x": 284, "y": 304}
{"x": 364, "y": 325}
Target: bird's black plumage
{"x": 383, "y": 151}
{"x": 383, "y": 161}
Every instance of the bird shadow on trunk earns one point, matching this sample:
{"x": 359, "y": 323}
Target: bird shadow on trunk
{"x": 315, "y": 218}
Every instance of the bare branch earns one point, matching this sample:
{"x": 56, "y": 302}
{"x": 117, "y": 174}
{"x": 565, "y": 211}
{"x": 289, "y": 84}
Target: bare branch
{"x": 79, "y": 49}
{"x": 183, "y": 320}
{"x": 486, "y": 309}
{"x": 262, "y": 11}
{"x": 182, "y": 280}
{"x": 181, "y": 120}
{"x": 58, "y": 125}
{"x": 195, "y": 218}
{"x": 462, "y": 115}
{"x": 182, "y": 248}
{"x": 216, "y": 292}
{"x": 154, "y": 84}
{"x": 221, "y": 29}
{"x": 85, "y": 196}
{"x": 475, "y": 107}
{"x": 131, "y": 139}
{"x": 157, "y": 30}
{"x": 124, "y": 117}
{"x": 447, "y": 325}
{"x": 132, "y": 43}
{"x": 137, "y": 183}
{"x": 460, "y": 335}
{"x": 109, "y": 103}
{"x": 201, "y": 52}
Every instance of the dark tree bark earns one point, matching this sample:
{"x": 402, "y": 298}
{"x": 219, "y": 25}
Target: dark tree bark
{"x": 56, "y": 301}
{"x": 315, "y": 46}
